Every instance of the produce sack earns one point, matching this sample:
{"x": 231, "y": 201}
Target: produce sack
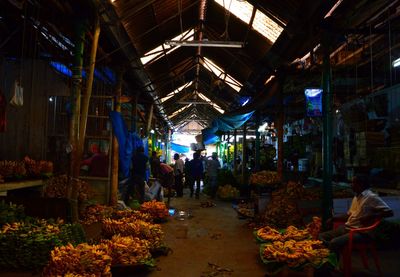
{"x": 18, "y": 95}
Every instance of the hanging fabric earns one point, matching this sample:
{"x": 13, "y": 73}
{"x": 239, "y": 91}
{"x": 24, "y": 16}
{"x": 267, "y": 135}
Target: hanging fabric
{"x": 3, "y": 105}
{"x": 18, "y": 95}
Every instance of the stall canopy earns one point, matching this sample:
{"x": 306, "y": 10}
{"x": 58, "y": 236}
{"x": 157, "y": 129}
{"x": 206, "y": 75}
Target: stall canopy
{"x": 224, "y": 124}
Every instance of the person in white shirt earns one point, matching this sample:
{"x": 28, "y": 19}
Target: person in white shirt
{"x": 178, "y": 172}
{"x": 365, "y": 209}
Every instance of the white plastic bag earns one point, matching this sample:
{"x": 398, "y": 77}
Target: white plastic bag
{"x": 18, "y": 95}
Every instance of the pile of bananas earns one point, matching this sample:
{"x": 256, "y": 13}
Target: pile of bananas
{"x": 264, "y": 178}
{"x": 127, "y": 250}
{"x": 282, "y": 209}
{"x": 227, "y": 192}
{"x": 11, "y": 169}
{"x": 295, "y": 253}
{"x": 314, "y": 227}
{"x": 132, "y": 215}
{"x": 136, "y": 228}
{"x": 56, "y": 187}
{"x": 156, "y": 209}
{"x": 95, "y": 213}
{"x": 292, "y": 233}
{"x": 269, "y": 234}
{"x": 82, "y": 260}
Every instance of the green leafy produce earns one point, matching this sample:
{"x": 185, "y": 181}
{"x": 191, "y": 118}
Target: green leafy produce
{"x": 28, "y": 244}
{"x": 10, "y": 213}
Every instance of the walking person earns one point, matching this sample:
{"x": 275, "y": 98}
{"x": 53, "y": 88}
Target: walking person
{"x": 179, "y": 167}
{"x": 197, "y": 173}
{"x": 213, "y": 167}
{"x": 139, "y": 167}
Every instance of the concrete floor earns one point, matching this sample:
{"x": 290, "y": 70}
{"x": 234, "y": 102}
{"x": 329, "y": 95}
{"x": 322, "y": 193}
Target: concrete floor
{"x": 214, "y": 242}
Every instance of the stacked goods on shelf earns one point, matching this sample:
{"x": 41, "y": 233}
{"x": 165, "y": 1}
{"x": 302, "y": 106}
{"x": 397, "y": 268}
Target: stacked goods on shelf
{"x": 292, "y": 247}
{"x": 227, "y": 192}
{"x": 57, "y": 187}
{"x": 264, "y": 178}
{"x": 156, "y": 209}
{"x": 28, "y": 244}
{"x": 282, "y": 209}
{"x": 12, "y": 169}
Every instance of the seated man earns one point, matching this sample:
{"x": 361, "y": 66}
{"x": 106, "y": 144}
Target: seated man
{"x": 365, "y": 209}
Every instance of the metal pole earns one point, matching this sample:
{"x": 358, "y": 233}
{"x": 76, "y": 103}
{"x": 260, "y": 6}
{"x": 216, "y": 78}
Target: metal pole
{"x": 280, "y": 122}
{"x": 327, "y": 99}
{"x": 244, "y": 151}
{"x": 234, "y": 152}
{"x": 257, "y": 145}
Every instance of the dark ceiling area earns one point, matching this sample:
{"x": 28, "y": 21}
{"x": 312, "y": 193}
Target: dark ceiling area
{"x": 195, "y": 84}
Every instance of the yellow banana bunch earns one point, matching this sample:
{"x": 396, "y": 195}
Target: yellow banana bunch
{"x": 292, "y": 233}
{"x": 132, "y": 215}
{"x": 268, "y": 233}
{"x": 295, "y": 253}
{"x": 138, "y": 228}
{"x": 82, "y": 260}
{"x": 128, "y": 250}
{"x": 156, "y": 209}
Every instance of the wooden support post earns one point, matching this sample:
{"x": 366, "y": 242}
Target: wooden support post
{"x": 74, "y": 126}
{"x": 80, "y": 143}
{"x": 115, "y": 146}
{"x": 149, "y": 118}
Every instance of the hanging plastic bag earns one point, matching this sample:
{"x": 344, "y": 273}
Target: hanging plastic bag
{"x": 18, "y": 95}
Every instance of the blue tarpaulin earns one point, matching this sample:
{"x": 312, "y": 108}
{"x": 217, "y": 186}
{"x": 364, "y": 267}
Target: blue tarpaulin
{"x": 224, "y": 123}
{"x": 128, "y": 142}
{"x": 179, "y": 148}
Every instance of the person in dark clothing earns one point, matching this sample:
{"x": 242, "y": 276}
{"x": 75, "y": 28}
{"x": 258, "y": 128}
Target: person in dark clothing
{"x": 155, "y": 164}
{"x": 188, "y": 176}
{"x": 197, "y": 173}
{"x": 139, "y": 167}
{"x": 178, "y": 172}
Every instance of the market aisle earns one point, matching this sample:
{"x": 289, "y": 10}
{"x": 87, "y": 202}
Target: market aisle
{"x": 213, "y": 235}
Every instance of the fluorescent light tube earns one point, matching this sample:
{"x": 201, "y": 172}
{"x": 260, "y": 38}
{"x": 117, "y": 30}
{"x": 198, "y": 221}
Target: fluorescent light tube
{"x": 206, "y": 43}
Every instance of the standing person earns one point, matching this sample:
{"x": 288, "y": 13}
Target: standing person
{"x": 365, "y": 208}
{"x": 166, "y": 177}
{"x": 155, "y": 164}
{"x": 140, "y": 164}
{"x": 197, "y": 173}
{"x": 178, "y": 172}
{"x": 213, "y": 167}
